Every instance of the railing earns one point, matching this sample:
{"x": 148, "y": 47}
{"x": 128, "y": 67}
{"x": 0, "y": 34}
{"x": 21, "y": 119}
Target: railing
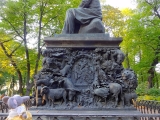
{"x": 150, "y": 111}
{"x": 28, "y": 104}
{"x": 147, "y": 107}
{"x": 3, "y": 107}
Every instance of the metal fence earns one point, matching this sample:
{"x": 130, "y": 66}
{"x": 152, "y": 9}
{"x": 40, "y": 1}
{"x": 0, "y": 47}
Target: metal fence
{"x": 150, "y": 110}
{"x": 148, "y": 107}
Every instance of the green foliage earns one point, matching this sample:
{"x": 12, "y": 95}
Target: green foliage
{"x": 24, "y": 24}
{"x": 3, "y": 91}
{"x": 142, "y": 89}
{"x": 141, "y": 42}
{"x": 147, "y": 97}
{"x": 113, "y": 20}
{"x": 153, "y": 92}
{"x": 139, "y": 29}
{"x": 147, "y": 94}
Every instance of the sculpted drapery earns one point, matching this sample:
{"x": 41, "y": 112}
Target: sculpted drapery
{"x": 87, "y": 11}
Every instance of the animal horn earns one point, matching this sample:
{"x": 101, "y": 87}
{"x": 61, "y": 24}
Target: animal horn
{"x": 44, "y": 87}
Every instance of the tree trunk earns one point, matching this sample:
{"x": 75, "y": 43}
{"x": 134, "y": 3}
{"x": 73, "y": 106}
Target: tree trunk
{"x": 28, "y": 89}
{"x": 16, "y": 68}
{"x": 127, "y": 60}
{"x": 30, "y": 85}
{"x": 151, "y": 72}
{"x": 150, "y": 81}
{"x": 157, "y": 82}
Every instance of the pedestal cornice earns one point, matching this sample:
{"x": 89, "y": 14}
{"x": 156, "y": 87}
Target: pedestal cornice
{"x": 82, "y": 40}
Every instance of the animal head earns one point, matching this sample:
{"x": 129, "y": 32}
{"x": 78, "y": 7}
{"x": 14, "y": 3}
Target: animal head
{"x": 44, "y": 90}
{"x": 15, "y": 100}
{"x": 128, "y": 74}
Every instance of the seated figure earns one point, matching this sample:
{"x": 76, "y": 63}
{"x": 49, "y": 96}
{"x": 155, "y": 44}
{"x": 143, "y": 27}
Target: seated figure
{"x": 87, "y": 18}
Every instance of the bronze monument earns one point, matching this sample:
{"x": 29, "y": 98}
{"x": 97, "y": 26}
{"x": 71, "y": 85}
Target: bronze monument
{"x": 82, "y": 67}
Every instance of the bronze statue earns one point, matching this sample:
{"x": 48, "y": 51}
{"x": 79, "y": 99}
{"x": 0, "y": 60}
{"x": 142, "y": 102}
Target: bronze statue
{"x": 85, "y": 76}
{"x": 87, "y": 11}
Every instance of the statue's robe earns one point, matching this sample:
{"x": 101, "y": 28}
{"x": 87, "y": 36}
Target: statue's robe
{"x": 87, "y": 11}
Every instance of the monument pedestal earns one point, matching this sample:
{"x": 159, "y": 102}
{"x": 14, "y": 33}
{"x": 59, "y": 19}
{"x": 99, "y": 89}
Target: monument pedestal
{"x": 88, "y": 69}
{"x": 122, "y": 114}
{"x": 82, "y": 41}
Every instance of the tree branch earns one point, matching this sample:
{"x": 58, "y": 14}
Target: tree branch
{"x": 50, "y": 20}
{"x": 155, "y": 8}
{"x": 16, "y": 49}
{"x": 5, "y": 41}
{"x": 12, "y": 27}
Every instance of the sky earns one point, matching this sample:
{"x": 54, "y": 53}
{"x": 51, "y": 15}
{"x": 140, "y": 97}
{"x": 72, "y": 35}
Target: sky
{"x": 121, "y": 3}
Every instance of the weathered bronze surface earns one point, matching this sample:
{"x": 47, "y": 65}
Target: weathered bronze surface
{"x": 84, "y": 19}
{"x": 84, "y": 71}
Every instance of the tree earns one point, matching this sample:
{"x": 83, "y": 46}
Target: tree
{"x": 143, "y": 39}
{"x": 31, "y": 20}
{"x": 113, "y": 20}
{"x": 8, "y": 58}
{"x": 116, "y": 23}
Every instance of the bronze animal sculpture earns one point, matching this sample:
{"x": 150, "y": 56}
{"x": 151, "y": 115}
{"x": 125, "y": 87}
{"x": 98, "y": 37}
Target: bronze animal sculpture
{"x": 116, "y": 89}
{"x": 128, "y": 98}
{"x": 129, "y": 79}
{"x": 53, "y": 94}
{"x": 100, "y": 92}
{"x": 113, "y": 89}
{"x": 67, "y": 84}
{"x": 117, "y": 56}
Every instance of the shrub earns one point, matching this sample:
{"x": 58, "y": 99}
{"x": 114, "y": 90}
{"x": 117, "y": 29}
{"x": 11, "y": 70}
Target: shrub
{"x": 141, "y": 90}
{"x": 147, "y": 97}
{"x": 153, "y": 92}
